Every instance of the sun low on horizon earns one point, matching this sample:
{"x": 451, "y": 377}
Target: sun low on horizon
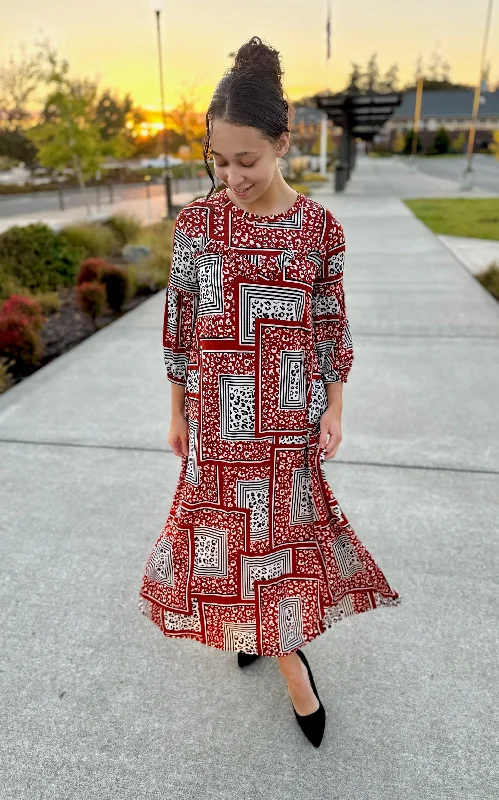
{"x": 115, "y": 41}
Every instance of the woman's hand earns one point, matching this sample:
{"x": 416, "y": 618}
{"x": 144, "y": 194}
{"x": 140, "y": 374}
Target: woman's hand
{"x": 178, "y": 436}
{"x": 330, "y": 424}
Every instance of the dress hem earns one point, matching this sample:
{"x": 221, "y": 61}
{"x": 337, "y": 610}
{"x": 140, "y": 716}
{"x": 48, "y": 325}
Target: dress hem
{"x": 332, "y": 614}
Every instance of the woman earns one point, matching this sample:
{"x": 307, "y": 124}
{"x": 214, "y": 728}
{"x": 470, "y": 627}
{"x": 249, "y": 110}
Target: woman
{"x": 256, "y": 555}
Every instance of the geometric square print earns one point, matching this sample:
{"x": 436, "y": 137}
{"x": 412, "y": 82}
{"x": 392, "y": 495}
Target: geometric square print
{"x": 237, "y": 404}
{"x": 292, "y": 389}
{"x": 267, "y": 301}
{"x": 218, "y": 537}
{"x": 284, "y": 625}
{"x": 210, "y": 551}
{"x": 254, "y": 494}
{"x": 227, "y": 407}
{"x": 284, "y": 366}
{"x": 262, "y": 568}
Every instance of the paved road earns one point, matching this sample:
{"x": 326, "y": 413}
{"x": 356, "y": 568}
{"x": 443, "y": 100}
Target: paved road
{"x": 47, "y": 202}
{"x": 485, "y": 169}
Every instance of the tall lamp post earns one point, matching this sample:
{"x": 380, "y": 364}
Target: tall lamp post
{"x": 467, "y": 181}
{"x": 157, "y": 7}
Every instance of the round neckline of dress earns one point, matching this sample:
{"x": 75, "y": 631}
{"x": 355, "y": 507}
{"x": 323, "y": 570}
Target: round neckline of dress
{"x": 250, "y": 215}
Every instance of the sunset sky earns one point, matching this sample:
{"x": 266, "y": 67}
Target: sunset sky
{"x": 115, "y": 39}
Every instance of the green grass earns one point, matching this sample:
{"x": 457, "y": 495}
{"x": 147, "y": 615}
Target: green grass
{"x": 474, "y": 217}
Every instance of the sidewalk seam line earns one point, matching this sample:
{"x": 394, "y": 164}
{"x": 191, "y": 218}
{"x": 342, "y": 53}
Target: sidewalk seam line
{"x": 79, "y": 445}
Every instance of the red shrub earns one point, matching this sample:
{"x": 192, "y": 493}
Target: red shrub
{"x": 90, "y": 270}
{"x": 91, "y": 298}
{"x": 116, "y": 281}
{"x": 19, "y": 340}
{"x": 26, "y": 306}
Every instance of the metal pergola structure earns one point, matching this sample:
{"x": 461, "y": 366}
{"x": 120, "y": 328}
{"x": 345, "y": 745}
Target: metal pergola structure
{"x": 361, "y": 116}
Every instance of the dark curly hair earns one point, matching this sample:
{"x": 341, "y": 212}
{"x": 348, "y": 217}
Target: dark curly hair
{"x": 251, "y": 93}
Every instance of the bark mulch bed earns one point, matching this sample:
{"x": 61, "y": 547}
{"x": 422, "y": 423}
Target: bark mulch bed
{"x": 68, "y": 326}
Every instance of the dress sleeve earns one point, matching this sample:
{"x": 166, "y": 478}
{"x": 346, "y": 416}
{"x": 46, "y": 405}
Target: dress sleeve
{"x": 333, "y": 340}
{"x": 182, "y": 298}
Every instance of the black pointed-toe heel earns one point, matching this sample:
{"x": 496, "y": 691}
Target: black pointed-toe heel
{"x": 313, "y": 724}
{"x": 243, "y": 659}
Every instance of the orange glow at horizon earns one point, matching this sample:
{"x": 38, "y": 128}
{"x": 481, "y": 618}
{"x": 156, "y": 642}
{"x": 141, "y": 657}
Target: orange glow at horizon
{"x": 198, "y": 37}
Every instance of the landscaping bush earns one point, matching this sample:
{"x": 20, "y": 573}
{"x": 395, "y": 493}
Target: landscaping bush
{"x": 143, "y": 283}
{"x": 490, "y": 279}
{"x": 297, "y": 186}
{"x": 441, "y": 142}
{"x": 117, "y": 284}
{"x": 125, "y": 227}
{"x": 17, "y": 304}
{"x": 116, "y": 281}
{"x": 408, "y": 137}
{"x": 91, "y": 239}
{"x": 458, "y": 144}
{"x": 9, "y": 284}
{"x": 91, "y": 298}
{"x": 19, "y": 341}
{"x": 5, "y": 376}
{"x": 159, "y": 239}
{"x": 50, "y": 302}
{"x": 90, "y": 270}
{"x": 34, "y": 257}
{"x": 314, "y": 177}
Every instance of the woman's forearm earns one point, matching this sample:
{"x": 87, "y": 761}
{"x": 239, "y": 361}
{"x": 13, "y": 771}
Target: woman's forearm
{"x": 178, "y": 399}
{"x": 335, "y": 396}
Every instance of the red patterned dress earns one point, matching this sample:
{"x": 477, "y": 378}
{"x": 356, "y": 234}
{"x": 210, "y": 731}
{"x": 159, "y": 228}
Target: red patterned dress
{"x": 256, "y": 554}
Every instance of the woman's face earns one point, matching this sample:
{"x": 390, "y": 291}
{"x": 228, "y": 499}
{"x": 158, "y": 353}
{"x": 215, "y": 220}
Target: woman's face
{"x": 244, "y": 160}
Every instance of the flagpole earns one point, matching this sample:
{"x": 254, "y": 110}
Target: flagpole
{"x": 325, "y": 118}
{"x": 328, "y": 44}
{"x": 467, "y": 179}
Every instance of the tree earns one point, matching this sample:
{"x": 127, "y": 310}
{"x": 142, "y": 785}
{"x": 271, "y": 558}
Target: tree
{"x": 371, "y": 76}
{"x": 354, "y": 79}
{"x": 409, "y": 135}
{"x": 72, "y": 133}
{"x": 111, "y": 114}
{"x": 441, "y": 142}
{"x": 117, "y": 121}
{"x": 419, "y": 70}
{"x": 370, "y": 80}
{"x": 390, "y": 80}
{"x": 18, "y": 83}
{"x": 19, "y": 80}
{"x": 67, "y": 137}
{"x": 438, "y": 69}
{"x": 458, "y": 144}
{"x": 15, "y": 145}
{"x": 437, "y": 75}
{"x": 189, "y": 124}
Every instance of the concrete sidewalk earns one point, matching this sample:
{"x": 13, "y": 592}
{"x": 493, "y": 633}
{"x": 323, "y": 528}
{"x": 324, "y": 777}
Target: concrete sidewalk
{"x": 97, "y": 703}
{"x": 475, "y": 254}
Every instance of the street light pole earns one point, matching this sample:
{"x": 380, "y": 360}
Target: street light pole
{"x": 157, "y": 6}
{"x": 467, "y": 181}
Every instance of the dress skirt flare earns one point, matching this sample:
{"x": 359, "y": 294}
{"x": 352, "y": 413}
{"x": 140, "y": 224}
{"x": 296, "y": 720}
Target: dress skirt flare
{"x": 256, "y": 554}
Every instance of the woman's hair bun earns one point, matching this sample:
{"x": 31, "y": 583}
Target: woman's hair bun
{"x": 255, "y": 55}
